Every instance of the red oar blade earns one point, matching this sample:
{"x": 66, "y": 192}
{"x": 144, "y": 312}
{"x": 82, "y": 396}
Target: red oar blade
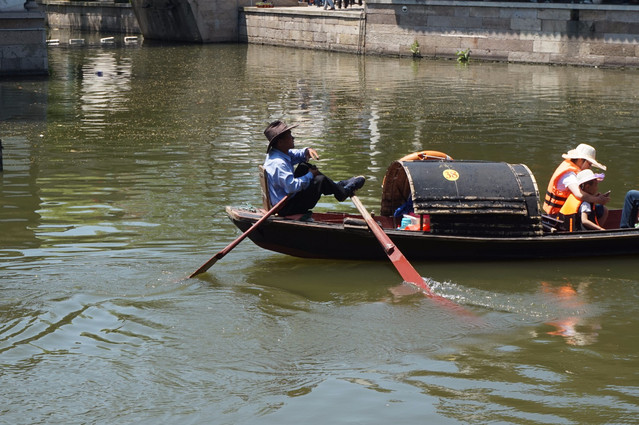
{"x": 403, "y": 266}
{"x": 406, "y": 269}
{"x": 207, "y": 265}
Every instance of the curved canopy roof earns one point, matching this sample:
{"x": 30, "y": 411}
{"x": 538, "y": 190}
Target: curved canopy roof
{"x": 450, "y": 190}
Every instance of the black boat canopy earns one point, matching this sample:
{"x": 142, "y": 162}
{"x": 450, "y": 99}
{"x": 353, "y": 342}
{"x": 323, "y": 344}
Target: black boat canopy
{"x": 466, "y": 197}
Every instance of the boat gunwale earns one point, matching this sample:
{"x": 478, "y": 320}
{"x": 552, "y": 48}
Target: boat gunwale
{"x": 247, "y": 214}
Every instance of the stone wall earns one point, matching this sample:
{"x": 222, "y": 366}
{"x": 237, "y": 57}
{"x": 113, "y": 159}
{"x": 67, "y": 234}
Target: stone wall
{"x": 98, "y": 16}
{"x": 562, "y": 33}
{"x": 23, "y": 49}
{"x": 298, "y": 27}
{"x": 579, "y": 34}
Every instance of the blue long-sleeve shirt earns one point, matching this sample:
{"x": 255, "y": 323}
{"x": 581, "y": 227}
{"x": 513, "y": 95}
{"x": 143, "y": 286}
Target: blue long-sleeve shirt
{"x": 279, "y": 168}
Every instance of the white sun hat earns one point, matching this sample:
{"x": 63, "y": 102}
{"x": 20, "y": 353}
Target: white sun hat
{"x": 587, "y": 175}
{"x": 584, "y": 151}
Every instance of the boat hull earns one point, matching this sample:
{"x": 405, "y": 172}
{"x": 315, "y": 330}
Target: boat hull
{"x": 329, "y": 237}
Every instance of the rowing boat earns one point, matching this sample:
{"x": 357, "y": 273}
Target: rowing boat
{"x": 461, "y": 210}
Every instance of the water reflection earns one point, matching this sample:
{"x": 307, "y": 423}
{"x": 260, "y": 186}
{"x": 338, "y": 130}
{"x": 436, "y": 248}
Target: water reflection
{"x": 93, "y": 92}
{"x": 23, "y": 101}
{"x": 119, "y": 190}
{"x": 20, "y": 200}
{"x": 105, "y": 83}
{"x": 575, "y": 321}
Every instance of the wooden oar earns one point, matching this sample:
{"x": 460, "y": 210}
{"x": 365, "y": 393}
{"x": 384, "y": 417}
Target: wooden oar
{"x": 233, "y": 244}
{"x": 406, "y": 269}
{"x": 403, "y": 266}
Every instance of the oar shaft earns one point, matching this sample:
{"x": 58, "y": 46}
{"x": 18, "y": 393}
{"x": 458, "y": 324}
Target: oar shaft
{"x": 236, "y": 242}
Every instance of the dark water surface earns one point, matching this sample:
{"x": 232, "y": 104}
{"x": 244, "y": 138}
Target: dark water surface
{"x": 117, "y": 170}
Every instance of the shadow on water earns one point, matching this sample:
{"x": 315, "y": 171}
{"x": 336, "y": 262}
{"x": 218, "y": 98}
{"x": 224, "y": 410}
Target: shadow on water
{"x": 328, "y": 280}
{"x": 503, "y": 294}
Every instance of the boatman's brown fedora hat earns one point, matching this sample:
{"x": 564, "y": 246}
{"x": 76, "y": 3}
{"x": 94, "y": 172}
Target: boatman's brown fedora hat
{"x": 275, "y": 129}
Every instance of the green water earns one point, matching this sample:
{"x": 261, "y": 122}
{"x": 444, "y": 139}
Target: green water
{"x": 117, "y": 170}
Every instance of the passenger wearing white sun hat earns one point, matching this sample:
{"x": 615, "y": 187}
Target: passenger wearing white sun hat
{"x": 584, "y": 151}
{"x": 564, "y": 182}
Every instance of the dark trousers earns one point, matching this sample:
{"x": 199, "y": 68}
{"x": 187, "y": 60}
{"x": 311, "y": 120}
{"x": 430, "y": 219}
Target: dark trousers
{"x": 630, "y": 208}
{"x": 305, "y": 200}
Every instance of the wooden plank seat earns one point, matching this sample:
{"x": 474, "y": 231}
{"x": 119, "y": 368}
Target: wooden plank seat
{"x": 266, "y": 198}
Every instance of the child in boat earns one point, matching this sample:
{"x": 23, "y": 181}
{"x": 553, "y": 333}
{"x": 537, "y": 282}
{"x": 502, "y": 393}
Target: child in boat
{"x": 582, "y": 215}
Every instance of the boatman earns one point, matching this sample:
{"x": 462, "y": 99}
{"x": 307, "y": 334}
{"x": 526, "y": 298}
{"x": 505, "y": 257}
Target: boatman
{"x": 306, "y": 183}
{"x": 564, "y": 181}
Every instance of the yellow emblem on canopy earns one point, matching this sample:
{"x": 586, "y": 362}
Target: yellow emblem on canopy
{"x": 451, "y": 175}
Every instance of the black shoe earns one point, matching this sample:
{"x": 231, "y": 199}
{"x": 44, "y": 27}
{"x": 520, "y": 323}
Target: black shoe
{"x": 354, "y": 184}
{"x": 349, "y": 187}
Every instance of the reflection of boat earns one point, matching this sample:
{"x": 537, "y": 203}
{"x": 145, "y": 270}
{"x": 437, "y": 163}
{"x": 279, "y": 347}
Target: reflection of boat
{"x": 469, "y": 210}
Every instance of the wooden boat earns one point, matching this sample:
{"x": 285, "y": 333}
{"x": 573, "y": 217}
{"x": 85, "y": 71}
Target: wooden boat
{"x": 465, "y": 210}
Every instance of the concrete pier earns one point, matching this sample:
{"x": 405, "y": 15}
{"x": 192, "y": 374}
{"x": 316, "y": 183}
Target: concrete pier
{"x": 23, "y": 49}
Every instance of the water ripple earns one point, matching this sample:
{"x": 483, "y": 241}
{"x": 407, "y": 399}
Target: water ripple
{"x": 73, "y": 326}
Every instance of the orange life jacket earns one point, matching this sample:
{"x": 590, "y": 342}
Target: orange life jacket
{"x": 556, "y": 198}
{"x": 571, "y": 216}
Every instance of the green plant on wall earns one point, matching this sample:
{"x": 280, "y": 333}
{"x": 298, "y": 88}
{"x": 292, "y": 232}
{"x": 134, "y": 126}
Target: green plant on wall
{"x": 414, "y": 48}
{"x": 463, "y": 56}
